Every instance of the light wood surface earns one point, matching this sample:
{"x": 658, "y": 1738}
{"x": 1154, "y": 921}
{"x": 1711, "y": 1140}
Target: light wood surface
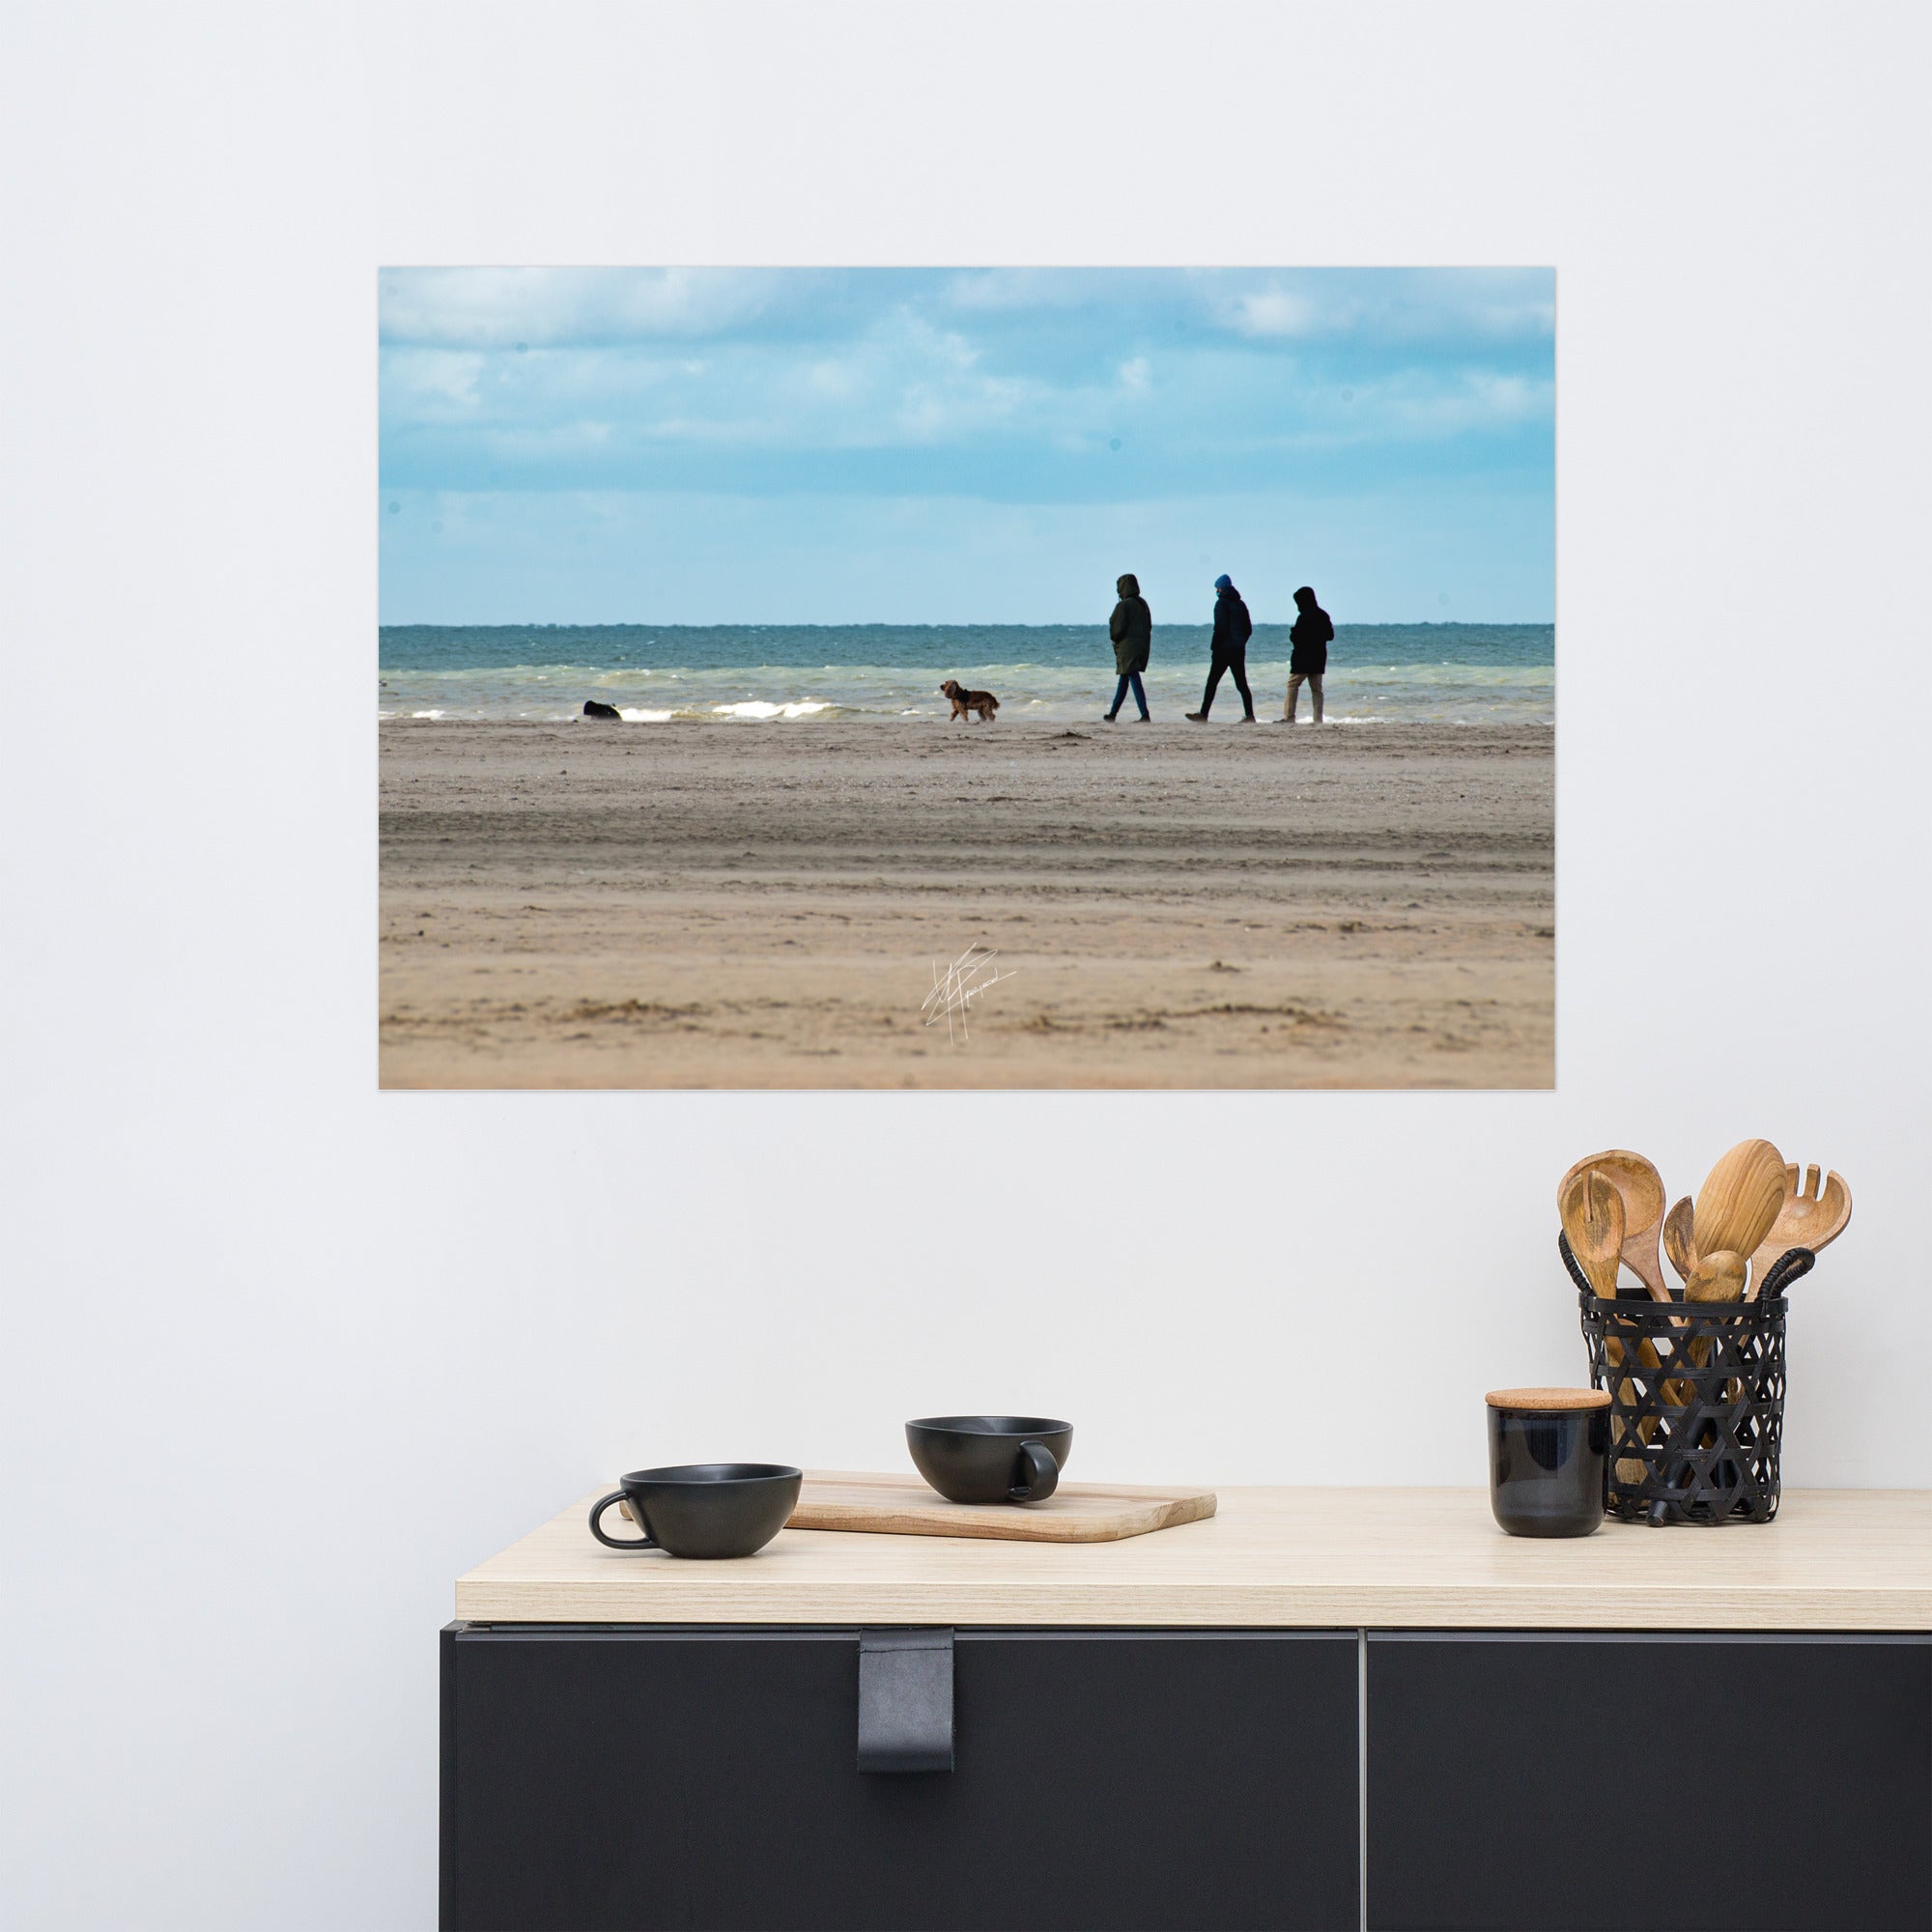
{"x": 1846, "y": 1559}
{"x": 898, "y": 1505}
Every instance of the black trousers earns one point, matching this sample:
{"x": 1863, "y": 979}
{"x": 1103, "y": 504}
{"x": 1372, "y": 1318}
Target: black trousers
{"x": 1239, "y": 664}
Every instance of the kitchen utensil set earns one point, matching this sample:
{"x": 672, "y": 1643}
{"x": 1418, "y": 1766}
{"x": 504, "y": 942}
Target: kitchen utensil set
{"x": 1697, "y": 1384}
{"x": 1753, "y": 1210}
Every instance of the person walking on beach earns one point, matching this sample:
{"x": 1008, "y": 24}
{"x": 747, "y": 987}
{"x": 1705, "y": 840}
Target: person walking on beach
{"x": 1229, "y": 651}
{"x": 1308, "y": 653}
{"x": 1132, "y": 627}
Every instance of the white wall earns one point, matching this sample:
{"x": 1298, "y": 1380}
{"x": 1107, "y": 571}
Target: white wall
{"x": 283, "y": 1354}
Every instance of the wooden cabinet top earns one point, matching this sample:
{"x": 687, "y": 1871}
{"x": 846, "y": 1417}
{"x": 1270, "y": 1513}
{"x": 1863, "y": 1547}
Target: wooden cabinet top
{"x": 1833, "y": 1560}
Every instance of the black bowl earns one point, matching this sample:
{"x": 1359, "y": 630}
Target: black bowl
{"x": 703, "y": 1508}
{"x": 990, "y": 1459}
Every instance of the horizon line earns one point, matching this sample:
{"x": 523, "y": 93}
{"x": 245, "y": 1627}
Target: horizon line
{"x": 901, "y": 623}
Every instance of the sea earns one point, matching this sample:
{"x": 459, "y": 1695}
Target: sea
{"x": 801, "y": 673}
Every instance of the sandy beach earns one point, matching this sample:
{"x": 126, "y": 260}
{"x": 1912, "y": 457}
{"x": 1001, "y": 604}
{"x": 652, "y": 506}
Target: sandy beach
{"x": 762, "y": 905}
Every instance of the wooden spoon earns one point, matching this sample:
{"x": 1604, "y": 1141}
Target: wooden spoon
{"x": 1739, "y": 1200}
{"x": 1717, "y": 1277}
{"x": 1680, "y": 1241}
{"x": 1809, "y": 1217}
{"x": 1642, "y": 1190}
{"x": 1593, "y": 1218}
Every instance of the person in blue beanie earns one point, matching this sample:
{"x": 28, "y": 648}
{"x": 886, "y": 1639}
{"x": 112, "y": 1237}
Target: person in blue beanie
{"x": 1229, "y": 650}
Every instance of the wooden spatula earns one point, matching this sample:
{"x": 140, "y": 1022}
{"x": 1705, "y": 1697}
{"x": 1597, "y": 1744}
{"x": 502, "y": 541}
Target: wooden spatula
{"x": 1739, "y": 1198}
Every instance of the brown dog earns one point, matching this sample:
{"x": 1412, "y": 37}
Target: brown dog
{"x": 965, "y": 701}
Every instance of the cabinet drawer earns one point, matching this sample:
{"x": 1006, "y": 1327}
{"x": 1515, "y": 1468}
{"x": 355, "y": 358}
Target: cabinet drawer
{"x": 1614, "y": 1782}
{"x": 599, "y": 1778}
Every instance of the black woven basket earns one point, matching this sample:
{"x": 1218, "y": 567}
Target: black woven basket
{"x": 1696, "y": 1400}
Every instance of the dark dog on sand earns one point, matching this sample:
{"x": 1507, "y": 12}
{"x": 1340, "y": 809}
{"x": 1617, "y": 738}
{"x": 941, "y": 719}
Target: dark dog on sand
{"x": 965, "y": 701}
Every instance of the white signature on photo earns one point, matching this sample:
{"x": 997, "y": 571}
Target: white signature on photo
{"x": 956, "y": 986}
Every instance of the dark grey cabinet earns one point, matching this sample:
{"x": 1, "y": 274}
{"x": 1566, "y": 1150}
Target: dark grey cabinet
{"x": 1583, "y": 1782}
{"x": 605, "y": 1776}
{"x": 597, "y": 1778}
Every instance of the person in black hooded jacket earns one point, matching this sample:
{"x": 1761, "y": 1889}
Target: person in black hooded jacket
{"x": 1131, "y": 629}
{"x": 1308, "y": 648}
{"x": 1229, "y": 651}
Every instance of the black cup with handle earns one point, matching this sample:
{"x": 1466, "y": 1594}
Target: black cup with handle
{"x": 990, "y": 1459}
{"x": 703, "y": 1509}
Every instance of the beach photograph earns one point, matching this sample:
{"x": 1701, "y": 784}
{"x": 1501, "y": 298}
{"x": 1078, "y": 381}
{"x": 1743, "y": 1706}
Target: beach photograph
{"x": 966, "y": 678}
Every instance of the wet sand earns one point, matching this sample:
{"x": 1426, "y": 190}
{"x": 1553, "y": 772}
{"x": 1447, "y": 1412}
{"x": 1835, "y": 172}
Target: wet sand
{"x": 762, "y": 905}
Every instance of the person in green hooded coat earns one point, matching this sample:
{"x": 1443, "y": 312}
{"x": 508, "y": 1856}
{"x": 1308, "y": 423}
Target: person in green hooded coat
{"x": 1132, "y": 627}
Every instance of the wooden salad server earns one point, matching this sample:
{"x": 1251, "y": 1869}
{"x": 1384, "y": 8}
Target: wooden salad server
{"x": 1642, "y": 1187}
{"x": 1592, "y": 1213}
{"x": 1810, "y": 1216}
{"x": 1739, "y": 1200}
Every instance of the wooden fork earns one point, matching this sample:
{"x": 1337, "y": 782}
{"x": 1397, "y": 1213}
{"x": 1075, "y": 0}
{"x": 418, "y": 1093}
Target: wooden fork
{"x": 1811, "y": 1217}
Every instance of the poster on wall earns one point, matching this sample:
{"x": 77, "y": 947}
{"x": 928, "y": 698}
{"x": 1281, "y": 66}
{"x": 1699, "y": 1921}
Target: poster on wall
{"x": 971, "y": 677}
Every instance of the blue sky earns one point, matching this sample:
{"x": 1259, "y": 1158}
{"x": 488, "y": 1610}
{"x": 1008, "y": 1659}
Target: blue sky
{"x": 728, "y": 445}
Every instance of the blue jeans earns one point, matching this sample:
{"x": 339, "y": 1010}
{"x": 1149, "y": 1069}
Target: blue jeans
{"x": 1133, "y": 677}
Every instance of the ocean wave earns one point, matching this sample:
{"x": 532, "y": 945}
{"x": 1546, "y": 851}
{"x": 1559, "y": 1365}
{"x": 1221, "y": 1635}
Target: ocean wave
{"x": 1378, "y": 693}
{"x": 759, "y": 708}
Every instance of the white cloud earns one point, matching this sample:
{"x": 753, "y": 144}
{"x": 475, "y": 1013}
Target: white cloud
{"x": 1271, "y": 312}
{"x": 1479, "y": 400}
{"x": 499, "y": 308}
{"x": 1255, "y": 366}
{"x": 430, "y": 385}
{"x": 1394, "y": 306}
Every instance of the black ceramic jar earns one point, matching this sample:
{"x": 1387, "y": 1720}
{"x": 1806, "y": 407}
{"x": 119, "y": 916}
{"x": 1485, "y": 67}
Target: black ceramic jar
{"x": 1549, "y": 1458}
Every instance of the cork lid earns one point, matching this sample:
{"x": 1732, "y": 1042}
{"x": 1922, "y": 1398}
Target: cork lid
{"x": 1549, "y": 1401}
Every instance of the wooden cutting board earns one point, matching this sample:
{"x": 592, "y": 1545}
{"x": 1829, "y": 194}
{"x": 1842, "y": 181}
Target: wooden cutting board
{"x": 1076, "y": 1513}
